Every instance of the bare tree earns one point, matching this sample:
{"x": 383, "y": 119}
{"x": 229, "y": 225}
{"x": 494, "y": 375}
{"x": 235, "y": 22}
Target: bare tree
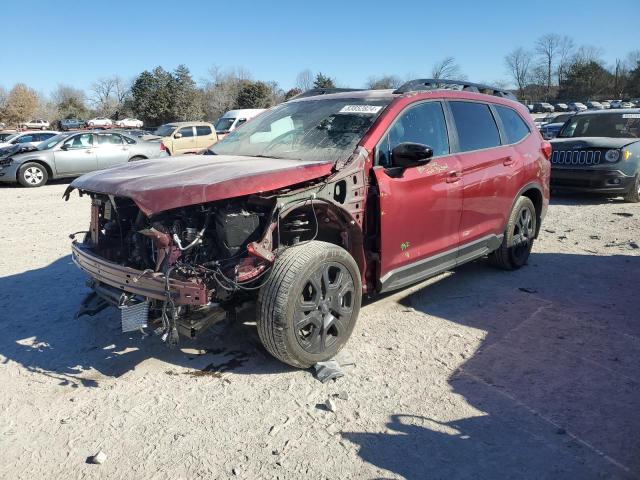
{"x": 447, "y": 69}
{"x": 620, "y": 74}
{"x": 383, "y": 82}
{"x": 565, "y": 54}
{"x": 304, "y": 80}
{"x": 547, "y": 48}
{"x": 3, "y": 98}
{"x": 632, "y": 59}
{"x": 220, "y": 90}
{"x": 518, "y": 63}
{"x": 588, "y": 53}
{"x": 109, "y": 94}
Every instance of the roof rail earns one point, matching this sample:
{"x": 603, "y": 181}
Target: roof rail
{"x": 323, "y": 91}
{"x": 441, "y": 84}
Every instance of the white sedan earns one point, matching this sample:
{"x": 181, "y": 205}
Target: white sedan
{"x": 129, "y": 123}
{"x": 99, "y": 122}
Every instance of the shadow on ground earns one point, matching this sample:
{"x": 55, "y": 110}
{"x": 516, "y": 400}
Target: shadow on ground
{"x": 556, "y": 379}
{"x": 580, "y": 198}
{"x": 38, "y": 330}
{"x": 59, "y": 181}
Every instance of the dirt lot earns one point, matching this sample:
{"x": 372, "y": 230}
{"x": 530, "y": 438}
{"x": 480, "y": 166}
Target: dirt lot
{"x": 475, "y": 374}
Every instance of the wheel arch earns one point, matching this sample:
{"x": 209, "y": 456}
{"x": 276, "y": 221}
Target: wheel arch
{"x": 46, "y": 166}
{"x": 335, "y": 226}
{"x": 533, "y": 191}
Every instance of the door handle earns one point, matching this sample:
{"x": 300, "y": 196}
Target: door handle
{"x": 453, "y": 176}
{"x": 508, "y": 161}
{"x": 88, "y": 151}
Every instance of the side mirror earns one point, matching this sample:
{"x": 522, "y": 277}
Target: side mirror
{"x": 177, "y": 135}
{"x": 410, "y": 154}
{"x": 65, "y": 146}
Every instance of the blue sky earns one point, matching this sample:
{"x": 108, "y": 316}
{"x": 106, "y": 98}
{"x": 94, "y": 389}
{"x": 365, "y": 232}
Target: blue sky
{"x": 76, "y": 42}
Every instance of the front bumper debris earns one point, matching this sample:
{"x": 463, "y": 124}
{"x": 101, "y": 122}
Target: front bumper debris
{"x": 146, "y": 284}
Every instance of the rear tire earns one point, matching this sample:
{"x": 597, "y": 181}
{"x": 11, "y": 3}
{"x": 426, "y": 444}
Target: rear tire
{"x": 517, "y": 241}
{"x": 633, "y": 195}
{"x": 308, "y": 307}
{"x": 32, "y": 175}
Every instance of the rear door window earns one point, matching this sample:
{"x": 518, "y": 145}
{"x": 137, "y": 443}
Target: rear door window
{"x": 515, "y": 128}
{"x": 203, "y": 130}
{"x": 109, "y": 139}
{"x": 476, "y": 126}
{"x": 186, "y": 131}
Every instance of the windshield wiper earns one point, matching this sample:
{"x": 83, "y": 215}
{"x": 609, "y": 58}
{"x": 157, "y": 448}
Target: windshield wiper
{"x": 271, "y": 156}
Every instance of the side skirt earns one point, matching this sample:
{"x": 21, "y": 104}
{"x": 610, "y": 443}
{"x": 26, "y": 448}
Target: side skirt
{"x": 436, "y": 264}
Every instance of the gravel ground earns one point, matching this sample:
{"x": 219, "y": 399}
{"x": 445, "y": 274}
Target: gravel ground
{"x": 477, "y": 373}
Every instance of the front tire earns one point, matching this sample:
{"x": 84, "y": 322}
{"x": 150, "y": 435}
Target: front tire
{"x": 517, "y": 241}
{"x": 633, "y": 195}
{"x": 307, "y": 309}
{"x": 32, "y": 175}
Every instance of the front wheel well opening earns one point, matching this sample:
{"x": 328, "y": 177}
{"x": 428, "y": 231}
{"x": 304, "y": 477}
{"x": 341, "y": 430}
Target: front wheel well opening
{"x": 39, "y": 162}
{"x": 325, "y": 222}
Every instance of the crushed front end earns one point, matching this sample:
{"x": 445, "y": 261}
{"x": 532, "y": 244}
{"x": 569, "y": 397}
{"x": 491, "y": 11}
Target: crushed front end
{"x": 182, "y": 270}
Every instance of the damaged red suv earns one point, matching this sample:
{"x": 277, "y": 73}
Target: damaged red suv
{"x": 312, "y": 204}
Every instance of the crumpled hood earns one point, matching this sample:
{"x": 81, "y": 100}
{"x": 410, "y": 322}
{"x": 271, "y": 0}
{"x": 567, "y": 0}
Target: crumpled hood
{"x": 591, "y": 142}
{"x": 159, "y": 185}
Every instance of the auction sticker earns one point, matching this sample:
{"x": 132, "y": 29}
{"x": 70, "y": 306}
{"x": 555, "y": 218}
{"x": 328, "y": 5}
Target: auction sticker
{"x": 367, "y": 109}
{"x": 631, "y": 115}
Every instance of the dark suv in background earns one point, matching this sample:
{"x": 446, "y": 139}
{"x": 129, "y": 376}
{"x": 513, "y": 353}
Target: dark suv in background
{"x": 67, "y": 124}
{"x": 313, "y": 203}
{"x": 599, "y": 152}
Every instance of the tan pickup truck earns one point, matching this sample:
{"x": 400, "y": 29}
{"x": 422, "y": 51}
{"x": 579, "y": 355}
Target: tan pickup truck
{"x": 179, "y": 138}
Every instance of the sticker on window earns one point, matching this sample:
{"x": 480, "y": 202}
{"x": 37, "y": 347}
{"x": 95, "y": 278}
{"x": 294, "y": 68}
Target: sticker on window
{"x": 367, "y": 109}
{"x": 631, "y": 115}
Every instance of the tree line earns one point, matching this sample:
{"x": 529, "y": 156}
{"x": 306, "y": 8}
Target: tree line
{"x": 155, "y": 97}
{"x": 556, "y": 69}
{"x": 159, "y": 96}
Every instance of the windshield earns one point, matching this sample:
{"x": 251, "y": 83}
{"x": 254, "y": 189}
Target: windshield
{"x": 53, "y": 141}
{"x": 164, "y": 130}
{"x": 562, "y": 118}
{"x": 322, "y": 130}
{"x": 224, "y": 124}
{"x": 5, "y": 136}
{"x": 614, "y": 125}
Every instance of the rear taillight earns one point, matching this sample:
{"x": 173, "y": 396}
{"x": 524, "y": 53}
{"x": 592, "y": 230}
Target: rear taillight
{"x": 162, "y": 147}
{"x": 546, "y": 150}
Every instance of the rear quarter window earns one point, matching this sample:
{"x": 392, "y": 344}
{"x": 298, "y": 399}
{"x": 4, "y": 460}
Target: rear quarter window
{"x": 475, "y": 125}
{"x": 203, "y": 130}
{"x": 514, "y": 127}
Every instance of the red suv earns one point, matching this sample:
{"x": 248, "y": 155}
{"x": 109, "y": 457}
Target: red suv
{"x": 313, "y": 203}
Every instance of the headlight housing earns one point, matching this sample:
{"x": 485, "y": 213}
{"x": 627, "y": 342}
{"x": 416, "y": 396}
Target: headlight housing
{"x": 5, "y": 162}
{"x": 612, "y": 156}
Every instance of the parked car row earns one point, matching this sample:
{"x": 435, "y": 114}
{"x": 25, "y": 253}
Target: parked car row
{"x": 74, "y": 123}
{"x": 543, "y": 107}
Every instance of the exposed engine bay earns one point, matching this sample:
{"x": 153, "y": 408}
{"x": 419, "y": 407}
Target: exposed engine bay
{"x": 193, "y": 266}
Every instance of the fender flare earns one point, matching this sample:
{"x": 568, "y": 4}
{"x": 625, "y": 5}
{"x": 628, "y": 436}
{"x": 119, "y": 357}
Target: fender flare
{"x": 539, "y": 212}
